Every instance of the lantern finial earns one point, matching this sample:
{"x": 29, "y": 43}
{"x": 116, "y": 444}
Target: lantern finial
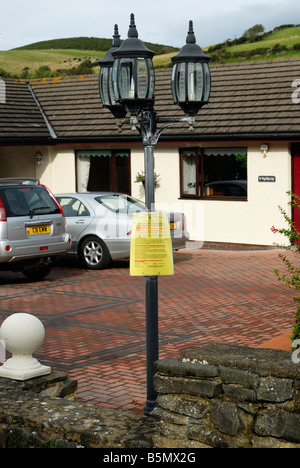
{"x": 190, "y": 38}
{"x": 116, "y": 37}
{"x": 132, "y": 27}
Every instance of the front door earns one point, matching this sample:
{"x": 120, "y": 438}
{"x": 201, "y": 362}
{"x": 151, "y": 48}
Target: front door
{"x": 296, "y": 182}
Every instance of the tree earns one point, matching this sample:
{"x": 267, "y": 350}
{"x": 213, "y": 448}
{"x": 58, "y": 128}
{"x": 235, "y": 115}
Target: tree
{"x": 253, "y": 32}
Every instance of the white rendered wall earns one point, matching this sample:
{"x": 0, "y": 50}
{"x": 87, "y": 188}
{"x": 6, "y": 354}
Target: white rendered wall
{"x": 245, "y": 222}
{"x": 59, "y": 174}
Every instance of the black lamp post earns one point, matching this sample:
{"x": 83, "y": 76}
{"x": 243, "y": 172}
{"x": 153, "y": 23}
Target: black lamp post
{"x": 131, "y": 87}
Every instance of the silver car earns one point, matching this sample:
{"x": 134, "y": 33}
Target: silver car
{"x": 100, "y": 226}
{"x": 32, "y": 228}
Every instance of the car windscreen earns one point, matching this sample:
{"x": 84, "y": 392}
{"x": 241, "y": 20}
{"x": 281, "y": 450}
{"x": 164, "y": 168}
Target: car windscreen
{"x": 27, "y": 201}
{"x": 121, "y": 203}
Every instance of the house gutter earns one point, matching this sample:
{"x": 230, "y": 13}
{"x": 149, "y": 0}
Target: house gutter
{"x": 236, "y": 137}
{"x": 186, "y": 138}
{"x": 50, "y": 129}
{"x": 29, "y": 141}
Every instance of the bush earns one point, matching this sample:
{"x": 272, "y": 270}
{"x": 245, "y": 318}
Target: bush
{"x": 226, "y": 55}
{"x": 278, "y": 48}
{"x": 4, "y": 74}
{"x": 292, "y": 278}
{"x": 44, "y": 72}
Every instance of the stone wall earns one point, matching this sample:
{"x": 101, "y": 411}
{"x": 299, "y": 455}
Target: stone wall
{"x": 42, "y": 413}
{"x": 227, "y": 396}
{"x": 217, "y": 396}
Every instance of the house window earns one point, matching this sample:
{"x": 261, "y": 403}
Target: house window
{"x": 214, "y": 173}
{"x": 103, "y": 170}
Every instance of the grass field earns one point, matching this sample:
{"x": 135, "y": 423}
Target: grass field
{"x": 14, "y": 61}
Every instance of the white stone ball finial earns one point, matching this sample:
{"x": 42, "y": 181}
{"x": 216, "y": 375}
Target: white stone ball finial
{"x": 22, "y": 334}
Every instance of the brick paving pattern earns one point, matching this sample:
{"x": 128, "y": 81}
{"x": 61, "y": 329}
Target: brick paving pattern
{"x": 95, "y": 321}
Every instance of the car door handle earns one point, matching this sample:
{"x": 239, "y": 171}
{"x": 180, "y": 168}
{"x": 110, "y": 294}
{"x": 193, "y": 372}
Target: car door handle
{"x": 80, "y": 221}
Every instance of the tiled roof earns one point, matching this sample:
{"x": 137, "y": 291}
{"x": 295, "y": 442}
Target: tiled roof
{"x": 252, "y": 98}
{"x": 20, "y": 115}
{"x": 247, "y": 100}
{"x": 73, "y": 107}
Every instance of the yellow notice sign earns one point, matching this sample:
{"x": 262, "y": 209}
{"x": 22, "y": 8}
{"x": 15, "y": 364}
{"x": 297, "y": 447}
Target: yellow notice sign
{"x": 151, "y": 245}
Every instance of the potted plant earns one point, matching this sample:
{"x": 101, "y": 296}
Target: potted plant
{"x": 140, "y": 177}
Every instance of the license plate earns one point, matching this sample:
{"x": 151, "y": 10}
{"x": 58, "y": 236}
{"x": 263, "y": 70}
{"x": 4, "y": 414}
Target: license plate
{"x": 173, "y": 226}
{"x": 33, "y": 230}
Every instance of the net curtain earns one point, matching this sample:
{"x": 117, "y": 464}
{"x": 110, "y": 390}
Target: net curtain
{"x": 84, "y": 164}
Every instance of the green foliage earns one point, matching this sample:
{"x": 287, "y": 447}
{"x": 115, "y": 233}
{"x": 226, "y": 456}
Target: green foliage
{"x": 292, "y": 277}
{"x": 44, "y": 72}
{"x": 50, "y": 444}
{"x": 140, "y": 177}
{"x": 242, "y": 159}
{"x": 251, "y": 33}
{"x": 277, "y": 48}
{"x": 85, "y": 68}
{"x": 4, "y": 74}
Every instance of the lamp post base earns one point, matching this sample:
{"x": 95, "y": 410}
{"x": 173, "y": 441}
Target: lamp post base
{"x": 149, "y": 407}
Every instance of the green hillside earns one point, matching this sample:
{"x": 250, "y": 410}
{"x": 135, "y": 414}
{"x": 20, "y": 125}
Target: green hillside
{"x": 282, "y": 42}
{"x": 75, "y": 43}
{"x": 79, "y": 55}
{"x": 89, "y": 43}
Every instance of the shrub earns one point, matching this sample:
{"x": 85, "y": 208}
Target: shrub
{"x": 278, "y": 48}
{"x": 292, "y": 278}
{"x": 43, "y": 72}
{"x": 4, "y": 74}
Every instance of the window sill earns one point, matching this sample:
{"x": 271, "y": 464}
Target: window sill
{"x": 194, "y": 197}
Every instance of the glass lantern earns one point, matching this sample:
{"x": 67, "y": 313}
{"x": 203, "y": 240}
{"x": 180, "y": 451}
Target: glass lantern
{"x": 191, "y": 80}
{"x": 105, "y": 79}
{"x": 133, "y": 75}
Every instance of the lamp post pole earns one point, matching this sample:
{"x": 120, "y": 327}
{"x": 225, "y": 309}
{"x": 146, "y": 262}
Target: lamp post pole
{"x": 147, "y": 127}
{"x": 126, "y": 85}
{"x": 151, "y": 282}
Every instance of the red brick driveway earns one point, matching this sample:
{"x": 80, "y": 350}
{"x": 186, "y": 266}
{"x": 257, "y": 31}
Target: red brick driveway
{"x": 95, "y": 321}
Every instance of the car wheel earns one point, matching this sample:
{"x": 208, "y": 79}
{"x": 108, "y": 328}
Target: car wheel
{"x": 93, "y": 253}
{"x": 37, "y": 272}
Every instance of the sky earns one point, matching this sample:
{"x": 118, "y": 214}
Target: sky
{"x": 158, "y": 21}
